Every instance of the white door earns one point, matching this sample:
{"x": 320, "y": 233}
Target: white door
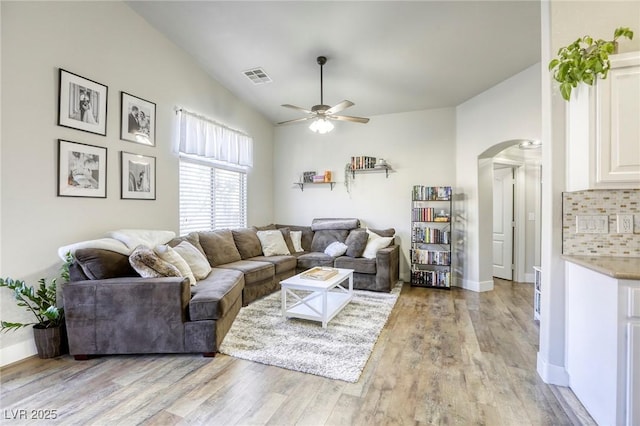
{"x": 503, "y": 223}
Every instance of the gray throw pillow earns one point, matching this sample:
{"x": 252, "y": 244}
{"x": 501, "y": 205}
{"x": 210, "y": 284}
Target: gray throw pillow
{"x": 219, "y": 247}
{"x": 322, "y": 239}
{"x": 100, "y": 264}
{"x": 356, "y": 242}
{"x": 287, "y": 239}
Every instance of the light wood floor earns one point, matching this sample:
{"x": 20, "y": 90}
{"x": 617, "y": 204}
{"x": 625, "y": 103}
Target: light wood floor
{"x": 444, "y": 358}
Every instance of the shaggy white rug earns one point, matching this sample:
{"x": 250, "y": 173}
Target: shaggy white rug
{"x": 260, "y": 333}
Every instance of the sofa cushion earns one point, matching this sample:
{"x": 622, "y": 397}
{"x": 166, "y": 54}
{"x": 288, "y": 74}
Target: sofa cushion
{"x": 196, "y": 260}
{"x": 215, "y": 295}
{"x": 247, "y": 242}
{"x": 334, "y": 223}
{"x": 192, "y": 238}
{"x": 356, "y": 242}
{"x": 360, "y": 264}
{"x": 149, "y": 265}
{"x": 389, "y": 232}
{"x": 219, "y": 247}
{"x": 281, "y": 263}
{"x": 310, "y": 260}
{"x": 286, "y": 234}
{"x": 322, "y": 239}
{"x": 253, "y": 271}
{"x": 269, "y": 227}
{"x": 99, "y": 264}
{"x": 272, "y": 243}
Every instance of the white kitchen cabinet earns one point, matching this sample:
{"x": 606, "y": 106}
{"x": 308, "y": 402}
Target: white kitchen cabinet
{"x": 603, "y": 344}
{"x": 603, "y": 129}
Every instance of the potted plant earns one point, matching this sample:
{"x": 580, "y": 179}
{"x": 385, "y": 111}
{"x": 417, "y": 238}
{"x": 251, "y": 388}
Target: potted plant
{"x": 584, "y": 60}
{"x": 48, "y": 327}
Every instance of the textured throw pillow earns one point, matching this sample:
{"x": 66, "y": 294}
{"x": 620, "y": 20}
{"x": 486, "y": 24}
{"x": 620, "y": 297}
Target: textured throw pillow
{"x": 286, "y": 234}
{"x": 272, "y": 243}
{"x": 356, "y": 243}
{"x": 168, "y": 254}
{"x": 247, "y": 242}
{"x": 198, "y": 264}
{"x": 375, "y": 243}
{"x": 149, "y": 265}
{"x": 336, "y": 249}
{"x": 219, "y": 247}
{"x": 296, "y": 239}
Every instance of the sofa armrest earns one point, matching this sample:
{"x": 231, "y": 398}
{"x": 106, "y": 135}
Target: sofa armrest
{"x": 126, "y": 315}
{"x": 387, "y": 267}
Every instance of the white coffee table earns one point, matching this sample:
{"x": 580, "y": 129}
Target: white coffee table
{"x": 321, "y": 300}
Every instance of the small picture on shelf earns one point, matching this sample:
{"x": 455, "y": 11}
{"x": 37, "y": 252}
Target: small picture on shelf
{"x": 307, "y": 177}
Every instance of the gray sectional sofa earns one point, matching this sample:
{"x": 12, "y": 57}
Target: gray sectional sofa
{"x": 111, "y": 309}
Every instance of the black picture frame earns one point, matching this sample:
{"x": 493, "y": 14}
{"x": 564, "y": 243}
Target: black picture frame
{"x": 137, "y": 120}
{"x": 82, "y": 170}
{"x": 82, "y": 103}
{"x": 138, "y": 176}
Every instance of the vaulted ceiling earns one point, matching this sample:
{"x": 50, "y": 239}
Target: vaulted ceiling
{"x": 385, "y": 56}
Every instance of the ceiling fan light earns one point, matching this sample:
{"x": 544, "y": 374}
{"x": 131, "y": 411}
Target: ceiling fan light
{"x": 321, "y": 126}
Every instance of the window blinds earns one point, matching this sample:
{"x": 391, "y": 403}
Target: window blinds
{"x": 211, "y": 198}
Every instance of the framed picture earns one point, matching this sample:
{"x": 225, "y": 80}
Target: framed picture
{"x": 82, "y": 103}
{"x": 82, "y": 170}
{"x": 138, "y": 120}
{"x": 138, "y": 176}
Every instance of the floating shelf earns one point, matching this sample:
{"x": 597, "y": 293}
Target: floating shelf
{"x": 302, "y": 184}
{"x": 378, "y": 169}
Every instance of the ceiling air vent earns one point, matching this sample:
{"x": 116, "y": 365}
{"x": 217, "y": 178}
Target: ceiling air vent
{"x": 257, "y": 76}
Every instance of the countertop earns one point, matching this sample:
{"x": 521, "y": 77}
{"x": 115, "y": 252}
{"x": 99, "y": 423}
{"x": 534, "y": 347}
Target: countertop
{"x": 623, "y": 268}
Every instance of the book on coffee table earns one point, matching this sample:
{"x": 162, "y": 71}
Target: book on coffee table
{"x": 319, "y": 273}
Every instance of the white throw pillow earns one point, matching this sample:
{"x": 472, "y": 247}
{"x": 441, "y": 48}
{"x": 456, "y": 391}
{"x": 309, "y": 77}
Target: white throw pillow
{"x": 195, "y": 259}
{"x": 168, "y": 254}
{"x": 336, "y": 249}
{"x": 296, "y": 238}
{"x": 375, "y": 243}
{"x": 272, "y": 243}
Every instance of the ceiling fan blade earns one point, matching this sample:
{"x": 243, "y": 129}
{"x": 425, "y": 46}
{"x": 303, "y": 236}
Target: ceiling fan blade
{"x": 297, "y": 108}
{"x": 297, "y": 120}
{"x": 349, "y": 118}
{"x": 339, "y": 107}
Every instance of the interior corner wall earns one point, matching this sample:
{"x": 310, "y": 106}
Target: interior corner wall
{"x": 109, "y": 43}
{"x": 509, "y": 110}
{"x": 420, "y": 146}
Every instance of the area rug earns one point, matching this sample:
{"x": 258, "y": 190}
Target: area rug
{"x": 260, "y": 333}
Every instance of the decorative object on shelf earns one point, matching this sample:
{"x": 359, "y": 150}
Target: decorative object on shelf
{"x": 431, "y": 236}
{"x": 82, "y": 103}
{"x": 137, "y": 120}
{"x": 321, "y": 114}
{"x": 138, "y": 176}
{"x": 584, "y": 60}
{"x": 307, "y": 177}
{"x": 82, "y": 170}
{"x": 48, "y": 328}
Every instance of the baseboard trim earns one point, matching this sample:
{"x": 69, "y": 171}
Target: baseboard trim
{"x": 477, "y": 286}
{"x": 17, "y": 352}
{"x": 552, "y": 374}
{"x": 528, "y": 278}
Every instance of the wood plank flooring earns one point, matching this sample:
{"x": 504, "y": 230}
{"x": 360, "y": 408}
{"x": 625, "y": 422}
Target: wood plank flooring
{"x": 444, "y": 358}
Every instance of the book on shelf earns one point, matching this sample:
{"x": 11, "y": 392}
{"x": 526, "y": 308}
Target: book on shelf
{"x": 431, "y": 193}
{"x": 363, "y": 162}
{"x": 319, "y": 273}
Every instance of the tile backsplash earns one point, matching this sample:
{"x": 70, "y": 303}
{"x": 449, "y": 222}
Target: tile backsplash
{"x": 601, "y": 202}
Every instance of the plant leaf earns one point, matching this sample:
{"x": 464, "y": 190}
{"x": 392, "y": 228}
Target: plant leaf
{"x": 565, "y": 91}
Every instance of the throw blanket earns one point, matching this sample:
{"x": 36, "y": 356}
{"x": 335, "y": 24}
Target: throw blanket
{"x": 122, "y": 241}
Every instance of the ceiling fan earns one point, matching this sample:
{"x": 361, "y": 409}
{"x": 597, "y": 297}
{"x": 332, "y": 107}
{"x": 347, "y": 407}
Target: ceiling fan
{"x": 323, "y": 113}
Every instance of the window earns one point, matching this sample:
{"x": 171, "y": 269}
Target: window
{"x": 211, "y": 196}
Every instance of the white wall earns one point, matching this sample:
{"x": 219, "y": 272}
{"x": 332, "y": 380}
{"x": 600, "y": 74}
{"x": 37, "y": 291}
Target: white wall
{"x": 420, "y": 146}
{"x": 109, "y": 43}
{"x": 507, "y": 111}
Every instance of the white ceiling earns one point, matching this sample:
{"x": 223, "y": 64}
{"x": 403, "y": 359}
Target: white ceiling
{"x": 385, "y": 56}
